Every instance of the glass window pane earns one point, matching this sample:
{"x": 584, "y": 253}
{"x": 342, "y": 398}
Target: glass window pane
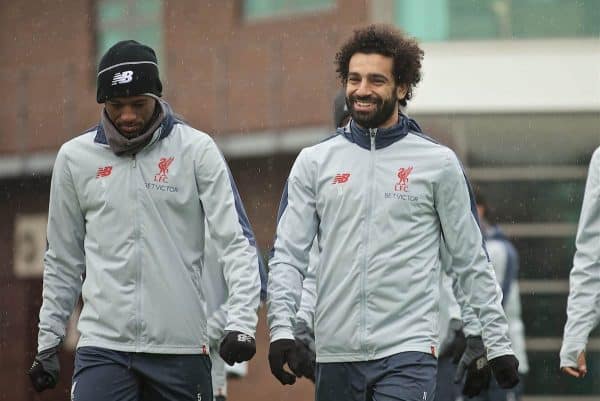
{"x": 139, "y": 20}
{"x": 147, "y": 8}
{"x": 270, "y": 8}
{"x": 544, "y": 315}
{"x": 555, "y": 18}
{"x": 109, "y": 11}
{"x": 502, "y": 19}
{"x": 425, "y": 20}
{"x": 257, "y": 8}
{"x": 534, "y": 201}
{"x": 146, "y": 34}
{"x": 473, "y": 19}
{"x": 545, "y": 258}
{"x": 307, "y": 5}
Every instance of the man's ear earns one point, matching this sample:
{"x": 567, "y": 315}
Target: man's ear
{"x": 401, "y": 91}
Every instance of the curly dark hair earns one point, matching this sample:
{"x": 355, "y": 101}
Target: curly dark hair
{"x": 387, "y": 41}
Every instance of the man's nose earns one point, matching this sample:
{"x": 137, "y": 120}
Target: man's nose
{"x": 128, "y": 114}
{"x": 363, "y": 89}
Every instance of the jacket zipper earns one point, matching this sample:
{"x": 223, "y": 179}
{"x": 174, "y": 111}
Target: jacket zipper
{"x": 371, "y": 178}
{"x": 138, "y": 297}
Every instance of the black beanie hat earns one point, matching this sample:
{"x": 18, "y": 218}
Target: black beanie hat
{"x": 128, "y": 68}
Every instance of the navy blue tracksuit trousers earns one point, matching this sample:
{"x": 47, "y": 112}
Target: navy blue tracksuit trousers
{"x": 406, "y": 376}
{"x": 107, "y": 375}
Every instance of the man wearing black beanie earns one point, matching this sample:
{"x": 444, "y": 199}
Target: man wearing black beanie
{"x": 129, "y": 203}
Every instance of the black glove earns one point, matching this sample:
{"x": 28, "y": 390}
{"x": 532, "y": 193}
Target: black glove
{"x": 45, "y": 369}
{"x": 237, "y": 347}
{"x": 455, "y": 342}
{"x": 305, "y": 363}
{"x": 280, "y": 352}
{"x": 475, "y": 364}
{"x": 505, "y": 370}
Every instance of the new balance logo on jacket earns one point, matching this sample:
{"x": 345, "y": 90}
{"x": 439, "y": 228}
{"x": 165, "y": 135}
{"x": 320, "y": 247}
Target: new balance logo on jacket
{"x": 103, "y": 171}
{"x": 122, "y": 78}
{"x": 341, "y": 178}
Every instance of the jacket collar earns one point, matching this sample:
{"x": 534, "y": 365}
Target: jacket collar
{"x": 384, "y": 137}
{"x": 165, "y": 127}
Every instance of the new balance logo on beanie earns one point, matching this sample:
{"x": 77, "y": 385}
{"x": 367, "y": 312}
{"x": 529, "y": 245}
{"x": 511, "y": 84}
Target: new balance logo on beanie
{"x": 122, "y": 77}
{"x": 128, "y": 68}
{"x": 244, "y": 338}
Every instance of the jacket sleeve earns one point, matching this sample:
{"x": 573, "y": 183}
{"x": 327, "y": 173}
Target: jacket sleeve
{"x": 296, "y": 230}
{"x": 237, "y": 256}
{"x": 453, "y": 298}
{"x": 216, "y": 325}
{"x": 215, "y": 286}
{"x": 309, "y": 290}
{"x": 249, "y": 233}
{"x": 64, "y": 260}
{"x": 449, "y": 308}
{"x": 584, "y": 281}
{"x": 471, "y": 324}
{"x": 215, "y": 293}
{"x": 470, "y": 263}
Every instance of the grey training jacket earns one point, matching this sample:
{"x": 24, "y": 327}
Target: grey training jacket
{"x": 583, "y": 307}
{"x": 379, "y": 205}
{"x": 135, "y": 227}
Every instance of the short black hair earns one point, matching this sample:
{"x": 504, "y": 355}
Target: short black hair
{"x": 480, "y": 200}
{"x": 387, "y": 41}
{"x": 479, "y": 197}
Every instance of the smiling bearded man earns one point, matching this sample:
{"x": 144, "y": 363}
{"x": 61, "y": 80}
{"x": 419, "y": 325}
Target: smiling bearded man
{"x": 379, "y": 196}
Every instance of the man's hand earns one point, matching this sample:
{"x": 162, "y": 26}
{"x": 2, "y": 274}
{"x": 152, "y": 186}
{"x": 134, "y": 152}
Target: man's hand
{"x": 580, "y": 371}
{"x": 305, "y": 363}
{"x": 455, "y": 342}
{"x": 45, "y": 370}
{"x": 281, "y": 352}
{"x": 237, "y": 347}
{"x": 505, "y": 370}
{"x": 475, "y": 364}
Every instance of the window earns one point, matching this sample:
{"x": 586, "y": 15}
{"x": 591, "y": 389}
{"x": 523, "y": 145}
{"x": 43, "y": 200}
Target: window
{"x": 140, "y": 20}
{"x": 256, "y": 9}
{"x": 438, "y": 20}
{"x": 535, "y": 201}
{"x": 545, "y": 258}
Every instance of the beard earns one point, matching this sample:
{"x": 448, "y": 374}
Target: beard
{"x": 384, "y": 108}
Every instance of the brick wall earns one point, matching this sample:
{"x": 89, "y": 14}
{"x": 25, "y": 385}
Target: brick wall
{"x": 224, "y": 74}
